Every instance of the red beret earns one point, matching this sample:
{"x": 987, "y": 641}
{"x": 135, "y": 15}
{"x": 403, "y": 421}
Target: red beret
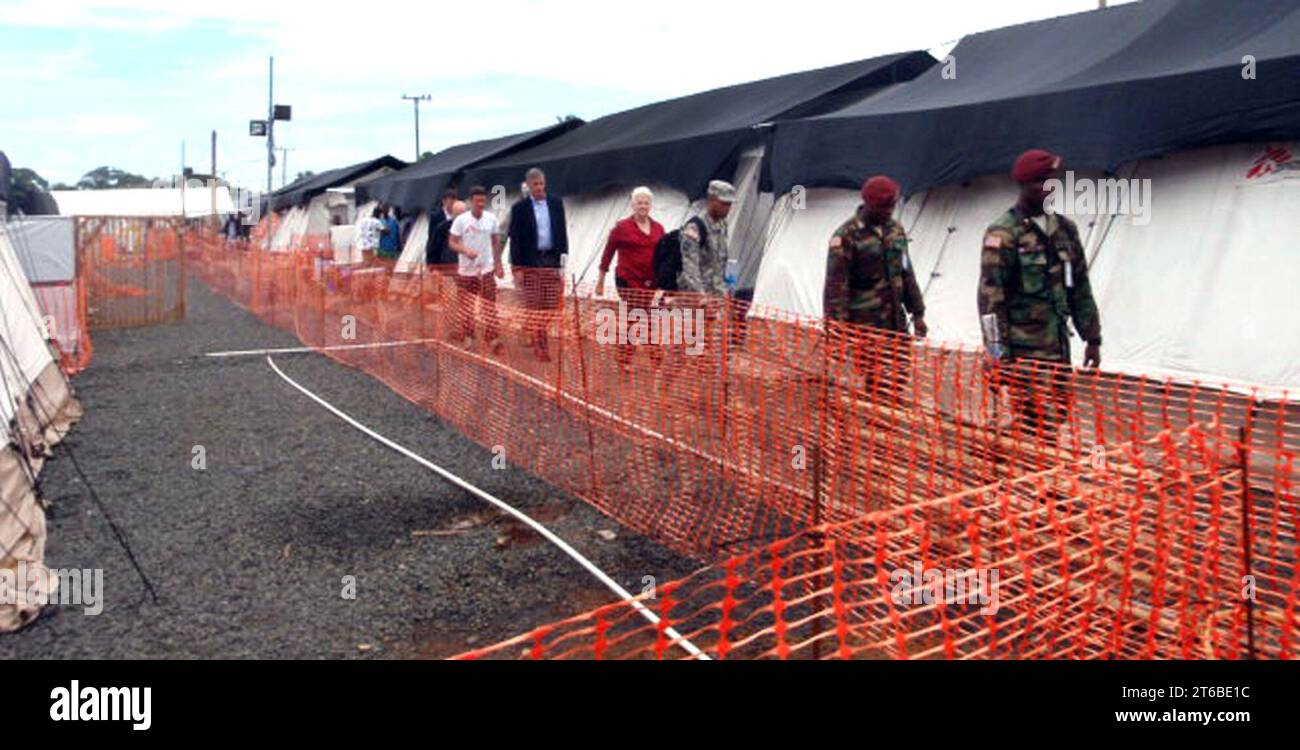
{"x": 880, "y": 191}
{"x": 1035, "y": 164}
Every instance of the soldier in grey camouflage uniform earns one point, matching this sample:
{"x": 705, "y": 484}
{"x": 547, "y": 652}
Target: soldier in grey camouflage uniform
{"x": 1033, "y": 281}
{"x": 704, "y": 255}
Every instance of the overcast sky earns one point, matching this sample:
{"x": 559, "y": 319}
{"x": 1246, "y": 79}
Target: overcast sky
{"x": 86, "y": 83}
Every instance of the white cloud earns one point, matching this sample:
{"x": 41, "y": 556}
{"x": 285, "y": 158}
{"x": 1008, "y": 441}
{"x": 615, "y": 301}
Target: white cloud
{"x": 343, "y": 66}
{"x": 89, "y": 125}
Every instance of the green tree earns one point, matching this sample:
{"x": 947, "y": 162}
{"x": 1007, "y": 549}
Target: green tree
{"x": 27, "y": 184}
{"x": 107, "y": 178}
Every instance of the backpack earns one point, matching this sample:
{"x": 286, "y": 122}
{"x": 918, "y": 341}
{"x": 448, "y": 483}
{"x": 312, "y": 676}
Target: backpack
{"x": 668, "y": 256}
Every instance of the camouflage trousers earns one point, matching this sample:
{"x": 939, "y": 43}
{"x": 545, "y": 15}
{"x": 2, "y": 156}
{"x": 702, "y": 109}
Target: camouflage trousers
{"x": 1040, "y": 395}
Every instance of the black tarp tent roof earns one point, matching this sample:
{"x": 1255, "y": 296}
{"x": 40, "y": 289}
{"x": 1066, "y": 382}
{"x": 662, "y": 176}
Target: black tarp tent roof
{"x": 301, "y": 191}
{"x": 419, "y": 186}
{"x": 1101, "y": 88}
{"x": 687, "y": 141}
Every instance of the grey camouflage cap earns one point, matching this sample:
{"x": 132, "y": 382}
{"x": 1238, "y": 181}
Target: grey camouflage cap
{"x": 723, "y": 191}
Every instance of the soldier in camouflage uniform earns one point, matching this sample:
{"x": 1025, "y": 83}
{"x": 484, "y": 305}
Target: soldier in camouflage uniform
{"x": 1033, "y": 281}
{"x": 704, "y": 255}
{"x": 869, "y": 276}
{"x": 870, "y": 282}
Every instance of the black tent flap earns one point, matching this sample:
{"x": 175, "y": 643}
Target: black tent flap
{"x": 687, "y": 141}
{"x": 300, "y": 192}
{"x": 1101, "y": 88}
{"x": 419, "y": 186}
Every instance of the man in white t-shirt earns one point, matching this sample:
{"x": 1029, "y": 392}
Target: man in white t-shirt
{"x": 476, "y": 239}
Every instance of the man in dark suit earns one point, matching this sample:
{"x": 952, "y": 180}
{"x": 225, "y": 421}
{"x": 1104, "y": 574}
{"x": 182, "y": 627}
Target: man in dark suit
{"x": 436, "y": 252}
{"x": 539, "y": 242}
{"x": 437, "y": 215}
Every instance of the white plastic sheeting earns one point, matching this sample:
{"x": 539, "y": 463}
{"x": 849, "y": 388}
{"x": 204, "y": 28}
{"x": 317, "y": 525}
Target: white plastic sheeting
{"x": 46, "y": 247}
{"x": 1197, "y": 288}
{"x": 24, "y": 354}
{"x": 413, "y": 251}
{"x": 197, "y": 202}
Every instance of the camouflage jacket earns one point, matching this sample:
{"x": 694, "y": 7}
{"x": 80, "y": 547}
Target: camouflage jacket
{"x": 869, "y": 276}
{"x": 704, "y": 258}
{"x": 1031, "y": 281}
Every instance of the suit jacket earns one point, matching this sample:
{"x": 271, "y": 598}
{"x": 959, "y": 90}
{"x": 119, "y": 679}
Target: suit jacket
{"x": 436, "y": 252}
{"x": 436, "y": 217}
{"x": 523, "y": 234}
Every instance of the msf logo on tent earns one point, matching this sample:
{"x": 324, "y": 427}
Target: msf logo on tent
{"x": 1275, "y": 161}
{"x": 76, "y": 703}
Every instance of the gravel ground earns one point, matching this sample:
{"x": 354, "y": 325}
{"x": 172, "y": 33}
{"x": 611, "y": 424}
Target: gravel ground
{"x": 249, "y": 555}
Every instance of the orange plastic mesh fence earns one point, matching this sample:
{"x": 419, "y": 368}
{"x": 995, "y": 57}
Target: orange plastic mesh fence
{"x": 1140, "y": 556}
{"x": 131, "y": 270}
{"x": 1125, "y": 516}
{"x": 64, "y": 309}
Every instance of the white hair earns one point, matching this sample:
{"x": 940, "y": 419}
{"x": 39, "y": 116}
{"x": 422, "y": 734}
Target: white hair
{"x": 640, "y": 191}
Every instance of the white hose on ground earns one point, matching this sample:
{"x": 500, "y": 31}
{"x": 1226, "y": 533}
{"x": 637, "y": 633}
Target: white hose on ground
{"x": 546, "y": 533}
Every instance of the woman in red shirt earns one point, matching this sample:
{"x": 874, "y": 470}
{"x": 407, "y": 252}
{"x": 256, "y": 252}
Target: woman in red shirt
{"x": 634, "y": 239}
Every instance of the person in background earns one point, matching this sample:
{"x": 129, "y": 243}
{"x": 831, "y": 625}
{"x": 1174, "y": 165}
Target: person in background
{"x": 475, "y": 237}
{"x": 704, "y": 254}
{"x": 633, "y": 240}
{"x": 231, "y": 229}
{"x": 437, "y": 252}
{"x": 442, "y": 211}
{"x": 437, "y": 215}
{"x": 539, "y": 240}
{"x": 407, "y": 222}
{"x": 391, "y": 237}
{"x": 369, "y": 230}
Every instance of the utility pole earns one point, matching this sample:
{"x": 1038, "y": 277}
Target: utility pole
{"x": 212, "y": 181}
{"x": 266, "y": 129}
{"x": 416, "y": 101}
{"x": 270, "y": 145}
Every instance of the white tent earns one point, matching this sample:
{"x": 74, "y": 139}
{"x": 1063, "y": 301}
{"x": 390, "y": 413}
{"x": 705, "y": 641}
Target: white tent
{"x": 317, "y": 217}
{"x": 1191, "y": 293}
{"x": 168, "y": 201}
{"x": 38, "y": 407}
{"x": 412, "y": 256}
